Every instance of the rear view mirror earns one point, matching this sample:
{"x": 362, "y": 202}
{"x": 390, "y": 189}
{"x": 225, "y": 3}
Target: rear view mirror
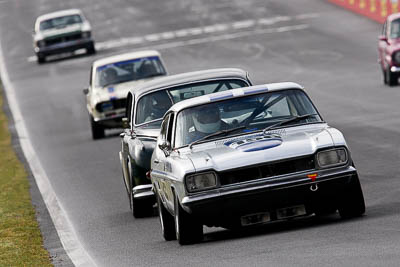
{"x": 165, "y": 146}
{"x": 125, "y": 123}
{"x": 86, "y": 91}
{"x": 383, "y": 38}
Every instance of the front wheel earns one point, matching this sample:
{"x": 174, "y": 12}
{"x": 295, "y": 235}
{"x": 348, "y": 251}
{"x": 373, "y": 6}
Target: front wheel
{"x": 352, "y": 201}
{"x": 167, "y": 221}
{"x": 97, "y": 130}
{"x": 91, "y": 50}
{"x": 188, "y": 231}
{"x": 41, "y": 59}
{"x": 391, "y": 77}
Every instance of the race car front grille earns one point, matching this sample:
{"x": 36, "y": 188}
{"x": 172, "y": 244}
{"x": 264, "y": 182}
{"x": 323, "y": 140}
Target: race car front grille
{"x": 63, "y": 39}
{"x": 267, "y": 170}
{"x": 111, "y": 105}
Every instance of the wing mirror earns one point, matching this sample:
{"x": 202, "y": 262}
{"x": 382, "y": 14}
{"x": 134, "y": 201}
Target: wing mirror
{"x": 125, "y": 123}
{"x": 86, "y": 91}
{"x": 165, "y": 146}
{"x": 383, "y": 38}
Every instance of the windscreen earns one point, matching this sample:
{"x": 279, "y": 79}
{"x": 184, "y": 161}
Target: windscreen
{"x": 395, "y": 29}
{"x": 248, "y": 114}
{"x": 60, "y": 22}
{"x": 153, "y": 106}
{"x": 129, "y": 70}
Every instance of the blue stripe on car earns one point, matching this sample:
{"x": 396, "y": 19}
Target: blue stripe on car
{"x": 255, "y": 90}
{"x": 221, "y": 96}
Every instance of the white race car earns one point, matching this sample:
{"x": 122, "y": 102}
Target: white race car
{"x": 111, "y": 79}
{"x": 62, "y": 31}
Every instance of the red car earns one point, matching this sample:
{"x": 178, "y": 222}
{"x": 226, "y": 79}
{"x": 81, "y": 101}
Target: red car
{"x": 389, "y": 50}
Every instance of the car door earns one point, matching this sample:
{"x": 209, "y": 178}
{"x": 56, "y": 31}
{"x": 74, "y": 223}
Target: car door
{"x": 159, "y": 158}
{"x": 126, "y": 136}
{"x": 167, "y": 162}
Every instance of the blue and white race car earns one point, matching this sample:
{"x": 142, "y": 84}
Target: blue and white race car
{"x": 249, "y": 156}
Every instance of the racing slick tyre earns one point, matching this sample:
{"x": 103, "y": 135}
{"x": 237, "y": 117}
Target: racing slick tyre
{"x": 352, "y": 203}
{"x": 97, "y": 130}
{"x": 384, "y": 76}
{"x": 139, "y": 207}
{"x": 41, "y": 59}
{"x": 91, "y": 50}
{"x": 167, "y": 222}
{"x": 188, "y": 231}
{"x": 391, "y": 78}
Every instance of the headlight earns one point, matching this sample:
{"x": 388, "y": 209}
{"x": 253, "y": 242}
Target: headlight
{"x": 40, "y": 43}
{"x": 85, "y": 34}
{"x": 202, "y": 181}
{"x": 332, "y": 157}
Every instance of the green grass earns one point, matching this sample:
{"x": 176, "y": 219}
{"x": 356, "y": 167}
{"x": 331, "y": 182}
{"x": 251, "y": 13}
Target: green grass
{"x": 21, "y": 242}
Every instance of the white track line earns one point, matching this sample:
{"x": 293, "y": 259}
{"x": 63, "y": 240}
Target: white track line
{"x": 230, "y": 36}
{"x": 173, "y": 35}
{"x": 64, "y": 228}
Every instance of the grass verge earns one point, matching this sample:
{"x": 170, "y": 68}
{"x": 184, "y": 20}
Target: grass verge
{"x": 21, "y": 242}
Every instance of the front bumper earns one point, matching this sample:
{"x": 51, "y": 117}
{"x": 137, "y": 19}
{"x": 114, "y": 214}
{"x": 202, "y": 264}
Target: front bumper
{"x": 225, "y": 206}
{"x": 395, "y": 69}
{"x": 114, "y": 121}
{"x": 63, "y": 47}
{"x": 143, "y": 192}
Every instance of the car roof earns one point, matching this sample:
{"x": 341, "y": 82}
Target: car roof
{"x": 125, "y": 56}
{"x": 393, "y": 16}
{"x": 238, "y": 92}
{"x": 60, "y": 13}
{"x": 189, "y": 77}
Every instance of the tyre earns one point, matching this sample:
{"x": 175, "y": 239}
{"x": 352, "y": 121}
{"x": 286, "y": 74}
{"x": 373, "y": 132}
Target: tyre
{"x": 384, "y": 76}
{"x": 352, "y": 202}
{"x": 41, "y": 59}
{"x": 391, "y": 78}
{"x": 138, "y": 207}
{"x": 167, "y": 221}
{"x": 188, "y": 231}
{"x": 97, "y": 130}
{"x": 141, "y": 207}
{"x": 91, "y": 50}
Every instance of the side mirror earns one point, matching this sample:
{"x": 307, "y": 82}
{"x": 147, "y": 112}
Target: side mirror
{"x": 382, "y": 38}
{"x": 125, "y": 123}
{"x": 165, "y": 146}
{"x": 86, "y": 91}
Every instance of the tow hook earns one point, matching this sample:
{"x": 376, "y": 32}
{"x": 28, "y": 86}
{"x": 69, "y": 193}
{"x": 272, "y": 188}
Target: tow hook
{"x": 314, "y": 187}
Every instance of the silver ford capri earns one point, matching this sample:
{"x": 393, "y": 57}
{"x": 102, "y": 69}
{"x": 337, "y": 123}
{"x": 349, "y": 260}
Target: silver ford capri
{"x": 250, "y": 156}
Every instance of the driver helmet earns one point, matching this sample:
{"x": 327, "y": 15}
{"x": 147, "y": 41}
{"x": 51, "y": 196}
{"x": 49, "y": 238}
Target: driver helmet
{"x": 110, "y": 75}
{"x": 207, "y": 119}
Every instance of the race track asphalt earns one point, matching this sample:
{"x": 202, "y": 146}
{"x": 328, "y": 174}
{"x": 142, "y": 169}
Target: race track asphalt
{"x": 330, "y": 51}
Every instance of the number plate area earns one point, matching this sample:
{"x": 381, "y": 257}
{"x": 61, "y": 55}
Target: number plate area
{"x": 255, "y": 218}
{"x": 290, "y": 212}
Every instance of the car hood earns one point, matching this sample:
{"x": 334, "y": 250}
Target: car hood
{"x": 254, "y": 149}
{"x": 116, "y": 91}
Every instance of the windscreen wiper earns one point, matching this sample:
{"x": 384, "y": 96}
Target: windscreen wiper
{"x": 293, "y": 119}
{"x": 225, "y": 132}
